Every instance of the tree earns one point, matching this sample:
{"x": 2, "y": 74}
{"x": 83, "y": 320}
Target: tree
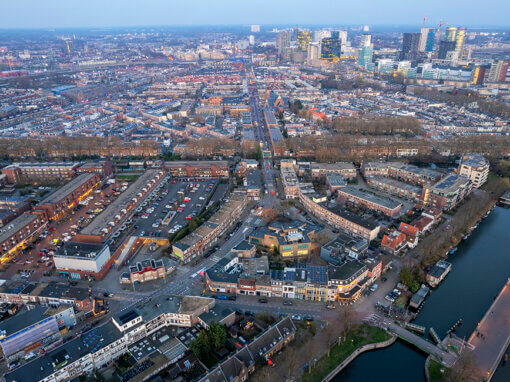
{"x": 347, "y": 317}
{"x": 409, "y": 278}
{"x": 217, "y": 335}
{"x": 465, "y": 369}
{"x": 201, "y": 346}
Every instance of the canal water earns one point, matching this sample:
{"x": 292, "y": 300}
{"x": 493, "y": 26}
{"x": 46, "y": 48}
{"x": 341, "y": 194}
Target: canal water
{"x": 481, "y": 266}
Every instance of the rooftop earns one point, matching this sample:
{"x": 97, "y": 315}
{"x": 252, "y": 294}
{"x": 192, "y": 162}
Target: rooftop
{"x": 80, "y": 250}
{"x": 370, "y": 197}
{"x": 96, "y": 226}
{"x": 17, "y": 224}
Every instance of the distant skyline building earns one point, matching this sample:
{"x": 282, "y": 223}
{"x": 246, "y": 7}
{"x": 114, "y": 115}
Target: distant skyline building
{"x": 314, "y": 52}
{"x": 427, "y": 40}
{"x": 410, "y": 45}
{"x": 342, "y": 35}
{"x": 321, "y": 34}
{"x": 283, "y": 41}
{"x": 255, "y": 28}
{"x": 366, "y": 38}
{"x": 498, "y": 71}
{"x": 365, "y": 56}
{"x": 457, "y": 34}
{"x": 479, "y": 73}
{"x": 251, "y": 39}
{"x": 445, "y": 46}
{"x": 303, "y": 39}
{"x": 331, "y": 47}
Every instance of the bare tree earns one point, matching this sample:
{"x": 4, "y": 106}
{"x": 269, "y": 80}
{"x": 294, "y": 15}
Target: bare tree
{"x": 466, "y": 369}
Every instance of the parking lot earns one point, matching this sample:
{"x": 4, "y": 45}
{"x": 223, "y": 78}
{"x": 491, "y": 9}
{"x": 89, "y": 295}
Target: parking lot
{"x": 34, "y": 262}
{"x": 171, "y": 206}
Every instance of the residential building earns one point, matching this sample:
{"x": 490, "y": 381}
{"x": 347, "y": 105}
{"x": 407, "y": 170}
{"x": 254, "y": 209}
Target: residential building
{"x": 19, "y": 232}
{"x": 101, "y": 345}
{"x": 34, "y": 330}
{"x": 474, "y": 167}
{"x": 448, "y": 193}
{"x": 395, "y": 187}
{"x": 394, "y": 243}
{"x": 498, "y": 71}
{"x": 438, "y": 272}
{"x": 345, "y": 169}
{"x": 293, "y": 239}
{"x": 344, "y": 245}
{"x": 41, "y": 173}
{"x": 60, "y": 202}
{"x": 347, "y": 221}
{"x": 412, "y": 234}
{"x": 290, "y": 180}
{"x": 195, "y": 244}
{"x": 367, "y": 199}
{"x": 147, "y": 270}
{"x": 198, "y": 169}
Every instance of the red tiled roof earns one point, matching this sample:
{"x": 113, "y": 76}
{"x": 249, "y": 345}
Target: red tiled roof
{"x": 409, "y": 229}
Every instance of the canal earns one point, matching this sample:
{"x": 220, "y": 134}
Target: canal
{"x": 481, "y": 267}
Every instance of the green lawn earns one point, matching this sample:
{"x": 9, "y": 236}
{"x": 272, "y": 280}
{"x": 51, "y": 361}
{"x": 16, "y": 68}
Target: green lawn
{"x": 435, "y": 371}
{"x": 127, "y": 177}
{"x": 358, "y": 336}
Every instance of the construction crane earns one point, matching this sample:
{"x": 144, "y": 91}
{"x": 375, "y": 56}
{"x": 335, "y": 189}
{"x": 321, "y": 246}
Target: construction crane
{"x": 438, "y": 32}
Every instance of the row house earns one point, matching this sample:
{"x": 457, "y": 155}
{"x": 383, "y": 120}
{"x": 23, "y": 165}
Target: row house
{"x": 195, "y": 244}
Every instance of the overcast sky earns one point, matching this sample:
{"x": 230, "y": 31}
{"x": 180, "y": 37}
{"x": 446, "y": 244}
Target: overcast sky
{"x": 84, "y": 13}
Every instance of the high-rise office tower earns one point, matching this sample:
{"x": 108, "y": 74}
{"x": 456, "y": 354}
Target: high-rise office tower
{"x": 342, "y": 35}
{"x": 410, "y": 44}
{"x": 427, "y": 39}
{"x": 314, "y": 51}
{"x": 251, "y": 39}
{"x": 365, "y": 56}
{"x": 303, "y": 39}
{"x": 294, "y": 34}
{"x": 255, "y": 28}
{"x": 498, "y": 71}
{"x": 445, "y": 46}
{"x": 457, "y": 34}
{"x": 366, "y": 38}
{"x": 331, "y": 48}
{"x": 321, "y": 34}
{"x": 282, "y": 41}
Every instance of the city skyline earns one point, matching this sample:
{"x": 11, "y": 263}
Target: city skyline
{"x": 115, "y": 13}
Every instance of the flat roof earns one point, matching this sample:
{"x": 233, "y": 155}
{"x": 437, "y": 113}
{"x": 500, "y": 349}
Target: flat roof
{"x": 223, "y": 213}
{"x": 42, "y": 164}
{"x": 89, "y": 342}
{"x": 337, "y": 166}
{"x": 450, "y": 184}
{"x": 196, "y": 163}
{"x": 370, "y": 197}
{"x": 108, "y": 214}
{"x": 61, "y": 192}
{"x": 23, "y": 319}
{"x": 14, "y": 226}
{"x": 346, "y": 270}
{"x": 80, "y": 250}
